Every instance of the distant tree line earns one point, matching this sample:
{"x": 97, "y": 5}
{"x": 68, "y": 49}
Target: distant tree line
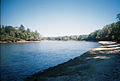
{"x": 65, "y": 38}
{"x": 14, "y": 34}
{"x": 110, "y": 32}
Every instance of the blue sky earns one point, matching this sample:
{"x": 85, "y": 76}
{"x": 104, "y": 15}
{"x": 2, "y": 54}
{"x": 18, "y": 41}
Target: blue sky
{"x": 60, "y": 17}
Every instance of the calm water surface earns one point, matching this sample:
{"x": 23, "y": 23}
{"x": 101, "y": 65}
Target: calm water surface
{"x": 20, "y": 60}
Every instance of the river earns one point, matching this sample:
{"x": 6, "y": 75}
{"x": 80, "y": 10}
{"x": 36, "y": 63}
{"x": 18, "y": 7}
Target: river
{"x": 19, "y": 60}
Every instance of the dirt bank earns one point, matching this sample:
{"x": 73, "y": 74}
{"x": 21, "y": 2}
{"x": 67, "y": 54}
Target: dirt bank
{"x": 99, "y": 64}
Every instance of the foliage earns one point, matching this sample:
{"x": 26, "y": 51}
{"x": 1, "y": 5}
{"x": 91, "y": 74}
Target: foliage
{"x": 66, "y": 38}
{"x": 13, "y": 34}
{"x": 110, "y": 32}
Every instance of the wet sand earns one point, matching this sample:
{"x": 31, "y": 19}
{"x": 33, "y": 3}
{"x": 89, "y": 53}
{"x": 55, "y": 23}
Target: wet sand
{"x": 99, "y": 64}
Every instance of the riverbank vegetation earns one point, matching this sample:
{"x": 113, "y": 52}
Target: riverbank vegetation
{"x": 14, "y": 34}
{"x": 109, "y": 32}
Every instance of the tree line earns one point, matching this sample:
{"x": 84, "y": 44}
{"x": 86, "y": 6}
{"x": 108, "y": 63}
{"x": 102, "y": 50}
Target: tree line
{"x": 14, "y": 34}
{"x": 109, "y": 32}
{"x": 65, "y": 38}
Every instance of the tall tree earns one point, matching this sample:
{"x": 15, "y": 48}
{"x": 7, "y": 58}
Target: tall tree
{"x": 118, "y": 16}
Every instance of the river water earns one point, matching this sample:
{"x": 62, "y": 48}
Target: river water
{"x": 20, "y": 60}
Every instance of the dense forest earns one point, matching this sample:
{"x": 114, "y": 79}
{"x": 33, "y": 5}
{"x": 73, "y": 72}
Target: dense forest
{"x": 110, "y": 32}
{"x": 14, "y": 34}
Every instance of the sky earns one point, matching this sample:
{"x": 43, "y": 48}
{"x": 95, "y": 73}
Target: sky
{"x": 60, "y": 17}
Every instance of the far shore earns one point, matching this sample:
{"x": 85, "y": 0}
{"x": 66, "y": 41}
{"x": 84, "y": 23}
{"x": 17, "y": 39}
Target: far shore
{"x": 99, "y": 64}
{"x": 22, "y": 41}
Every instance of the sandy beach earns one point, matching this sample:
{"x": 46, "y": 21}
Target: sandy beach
{"x": 99, "y": 64}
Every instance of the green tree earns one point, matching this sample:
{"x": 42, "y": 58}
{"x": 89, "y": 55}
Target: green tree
{"x": 118, "y": 16}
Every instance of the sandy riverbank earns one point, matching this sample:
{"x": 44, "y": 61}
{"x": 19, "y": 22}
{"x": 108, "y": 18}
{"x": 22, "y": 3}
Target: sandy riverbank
{"x": 99, "y": 64}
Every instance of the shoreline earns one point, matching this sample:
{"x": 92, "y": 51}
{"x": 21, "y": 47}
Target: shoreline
{"x": 99, "y": 64}
{"x": 23, "y": 41}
